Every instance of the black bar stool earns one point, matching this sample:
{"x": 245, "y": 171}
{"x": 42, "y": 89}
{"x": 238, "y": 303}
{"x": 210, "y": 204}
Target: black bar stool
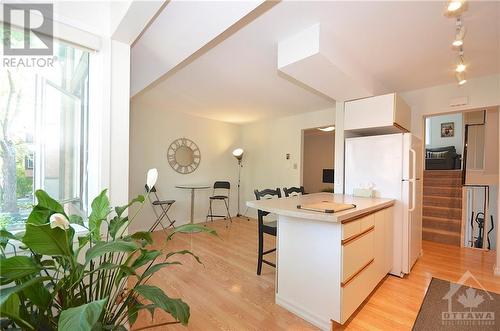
{"x": 218, "y": 186}
{"x": 268, "y": 227}
{"x": 164, "y": 205}
{"x": 292, "y": 191}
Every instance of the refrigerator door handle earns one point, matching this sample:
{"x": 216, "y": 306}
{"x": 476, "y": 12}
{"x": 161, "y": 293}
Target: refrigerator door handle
{"x": 413, "y": 179}
{"x": 414, "y": 163}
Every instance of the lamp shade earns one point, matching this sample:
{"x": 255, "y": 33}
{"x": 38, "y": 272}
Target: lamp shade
{"x": 238, "y": 153}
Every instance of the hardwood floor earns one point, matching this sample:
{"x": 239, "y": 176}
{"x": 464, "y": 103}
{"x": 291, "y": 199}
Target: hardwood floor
{"x": 226, "y": 294}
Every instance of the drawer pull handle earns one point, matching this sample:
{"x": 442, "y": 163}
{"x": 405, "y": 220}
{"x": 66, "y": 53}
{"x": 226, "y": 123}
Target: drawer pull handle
{"x": 355, "y": 218}
{"x": 357, "y": 236}
{"x": 354, "y": 275}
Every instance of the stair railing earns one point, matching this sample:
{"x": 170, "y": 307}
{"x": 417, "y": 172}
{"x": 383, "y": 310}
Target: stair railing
{"x": 479, "y": 223}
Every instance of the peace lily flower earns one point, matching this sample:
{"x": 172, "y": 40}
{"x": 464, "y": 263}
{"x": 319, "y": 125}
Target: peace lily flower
{"x": 151, "y": 178}
{"x": 59, "y": 221}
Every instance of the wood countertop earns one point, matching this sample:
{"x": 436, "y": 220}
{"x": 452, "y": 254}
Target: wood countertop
{"x": 288, "y": 206}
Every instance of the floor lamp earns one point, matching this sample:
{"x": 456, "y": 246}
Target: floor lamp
{"x": 238, "y": 154}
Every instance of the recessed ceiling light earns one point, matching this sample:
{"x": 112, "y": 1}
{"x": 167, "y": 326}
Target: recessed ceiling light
{"x": 327, "y": 129}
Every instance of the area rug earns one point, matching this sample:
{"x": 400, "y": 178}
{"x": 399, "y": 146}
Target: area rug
{"x": 453, "y": 306}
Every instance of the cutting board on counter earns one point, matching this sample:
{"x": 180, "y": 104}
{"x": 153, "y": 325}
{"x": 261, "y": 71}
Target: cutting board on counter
{"x": 328, "y": 207}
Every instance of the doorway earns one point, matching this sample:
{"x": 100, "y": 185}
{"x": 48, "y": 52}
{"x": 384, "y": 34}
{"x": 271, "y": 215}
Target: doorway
{"x": 461, "y": 178}
{"x": 318, "y": 146}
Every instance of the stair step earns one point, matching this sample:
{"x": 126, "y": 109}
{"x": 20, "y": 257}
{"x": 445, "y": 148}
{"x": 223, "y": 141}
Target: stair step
{"x": 454, "y": 192}
{"x": 442, "y": 173}
{"x": 443, "y": 212}
{"x": 439, "y": 223}
{"x": 445, "y": 181}
{"x": 441, "y": 236}
{"x": 450, "y": 202}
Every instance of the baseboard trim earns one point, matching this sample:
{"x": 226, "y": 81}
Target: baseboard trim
{"x": 323, "y": 324}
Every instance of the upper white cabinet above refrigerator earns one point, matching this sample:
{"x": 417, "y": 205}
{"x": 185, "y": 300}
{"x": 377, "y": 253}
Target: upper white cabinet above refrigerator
{"x": 382, "y": 114}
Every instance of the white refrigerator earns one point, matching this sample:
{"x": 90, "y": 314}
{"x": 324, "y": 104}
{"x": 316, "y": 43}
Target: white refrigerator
{"x": 392, "y": 165}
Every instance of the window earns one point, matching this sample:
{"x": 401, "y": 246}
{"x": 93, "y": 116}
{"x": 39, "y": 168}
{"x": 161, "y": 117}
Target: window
{"x": 43, "y": 134}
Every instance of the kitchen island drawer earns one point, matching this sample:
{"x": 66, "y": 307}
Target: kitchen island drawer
{"x": 355, "y": 226}
{"x": 357, "y": 251}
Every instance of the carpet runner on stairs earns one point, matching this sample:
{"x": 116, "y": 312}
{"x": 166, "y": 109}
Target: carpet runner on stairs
{"x": 442, "y": 206}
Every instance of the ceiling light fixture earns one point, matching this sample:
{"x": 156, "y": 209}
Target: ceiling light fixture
{"x": 461, "y": 78}
{"x": 327, "y": 129}
{"x": 460, "y": 63}
{"x": 454, "y": 5}
{"x": 460, "y": 34}
{"x": 454, "y": 9}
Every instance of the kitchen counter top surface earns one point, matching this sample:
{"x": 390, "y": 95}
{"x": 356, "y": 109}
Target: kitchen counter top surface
{"x": 288, "y": 206}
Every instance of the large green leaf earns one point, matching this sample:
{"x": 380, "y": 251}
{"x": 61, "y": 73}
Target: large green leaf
{"x": 175, "y": 307}
{"x": 103, "y": 247}
{"x": 120, "y": 210}
{"x": 133, "y": 310}
{"x": 100, "y": 211}
{"x": 145, "y": 257}
{"x": 5, "y": 293}
{"x": 183, "y": 252}
{"x": 142, "y": 235}
{"x": 10, "y": 309}
{"x": 154, "y": 268}
{"x": 191, "y": 228}
{"x": 5, "y": 236}
{"x": 39, "y": 215}
{"x": 11, "y": 305}
{"x": 17, "y": 267}
{"x": 116, "y": 224}
{"x": 81, "y": 318}
{"x": 39, "y": 295}
{"x": 44, "y": 240}
{"x": 46, "y": 202}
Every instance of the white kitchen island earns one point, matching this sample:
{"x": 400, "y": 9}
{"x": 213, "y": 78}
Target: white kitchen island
{"x": 328, "y": 263}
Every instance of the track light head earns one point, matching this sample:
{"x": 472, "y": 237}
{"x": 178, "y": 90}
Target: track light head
{"x": 455, "y": 7}
{"x": 461, "y": 78}
{"x": 459, "y": 34}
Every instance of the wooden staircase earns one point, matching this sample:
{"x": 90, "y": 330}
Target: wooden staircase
{"x": 442, "y": 206}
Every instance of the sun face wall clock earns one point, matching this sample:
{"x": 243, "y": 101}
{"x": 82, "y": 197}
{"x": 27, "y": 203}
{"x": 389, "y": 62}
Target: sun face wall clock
{"x": 184, "y": 156}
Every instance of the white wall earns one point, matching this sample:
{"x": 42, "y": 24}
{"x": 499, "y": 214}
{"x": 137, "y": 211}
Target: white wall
{"x": 481, "y": 92}
{"x": 266, "y": 144}
{"x": 318, "y": 154}
{"x": 435, "y": 132}
{"x": 152, "y": 131}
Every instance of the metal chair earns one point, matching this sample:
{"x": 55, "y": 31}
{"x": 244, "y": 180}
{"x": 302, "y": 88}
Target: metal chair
{"x": 289, "y": 192}
{"x": 164, "y": 206}
{"x": 216, "y": 196}
{"x": 268, "y": 227}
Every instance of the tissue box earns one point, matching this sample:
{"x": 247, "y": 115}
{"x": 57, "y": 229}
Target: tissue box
{"x": 363, "y": 192}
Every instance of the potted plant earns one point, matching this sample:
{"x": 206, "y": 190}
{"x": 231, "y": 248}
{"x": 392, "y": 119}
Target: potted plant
{"x": 99, "y": 283}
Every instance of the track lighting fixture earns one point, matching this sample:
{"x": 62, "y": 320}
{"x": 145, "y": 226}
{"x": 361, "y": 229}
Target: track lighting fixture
{"x": 460, "y": 63}
{"x": 455, "y": 7}
{"x": 461, "y": 78}
{"x": 459, "y": 34}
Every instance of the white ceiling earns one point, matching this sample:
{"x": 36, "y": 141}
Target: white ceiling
{"x": 403, "y": 45}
